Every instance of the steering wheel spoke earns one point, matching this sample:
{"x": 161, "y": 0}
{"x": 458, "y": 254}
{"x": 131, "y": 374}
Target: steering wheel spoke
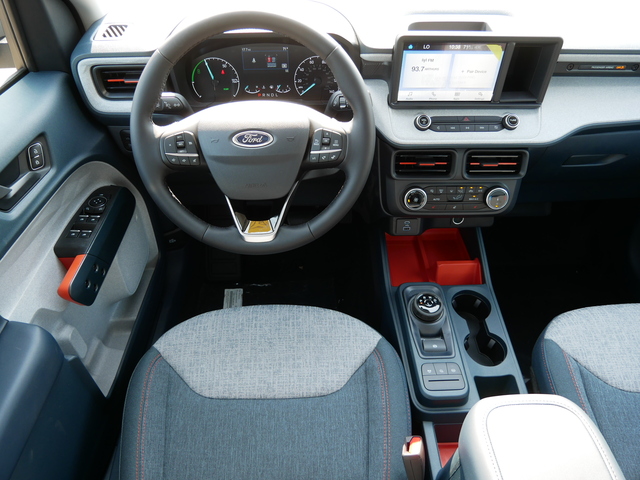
{"x": 263, "y": 230}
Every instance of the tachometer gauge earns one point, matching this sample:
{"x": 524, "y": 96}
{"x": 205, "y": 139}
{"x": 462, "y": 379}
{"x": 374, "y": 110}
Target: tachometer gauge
{"x": 215, "y": 80}
{"x": 313, "y": 79}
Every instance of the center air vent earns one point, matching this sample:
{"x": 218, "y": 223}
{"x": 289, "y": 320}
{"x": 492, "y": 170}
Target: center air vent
{"x": 111, "y": 32}
{"x": 117, "y": 82}
{"x": 423, "y": 164}
{"x": 495, "y": 163}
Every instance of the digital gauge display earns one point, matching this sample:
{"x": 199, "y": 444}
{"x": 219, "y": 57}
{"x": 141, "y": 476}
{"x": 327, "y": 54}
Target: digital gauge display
{"x": 450, "y": 72}
{"x": 215, "y": 79}
{"x": 260, "y": 71}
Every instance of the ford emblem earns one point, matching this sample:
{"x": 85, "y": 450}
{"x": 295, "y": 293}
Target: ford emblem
{"x": 252, "y": 139}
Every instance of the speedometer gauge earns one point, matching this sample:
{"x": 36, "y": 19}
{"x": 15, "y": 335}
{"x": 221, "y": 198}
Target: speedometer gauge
{"x": 314, "y": 80}
{"x": 214, "y": 79}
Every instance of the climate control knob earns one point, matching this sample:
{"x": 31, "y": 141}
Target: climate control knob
{"x": 415, "y": 199}
{"x": 497, "y": 198}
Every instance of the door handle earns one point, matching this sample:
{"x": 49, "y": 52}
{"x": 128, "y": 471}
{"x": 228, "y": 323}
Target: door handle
{"x": 27, "y": 170}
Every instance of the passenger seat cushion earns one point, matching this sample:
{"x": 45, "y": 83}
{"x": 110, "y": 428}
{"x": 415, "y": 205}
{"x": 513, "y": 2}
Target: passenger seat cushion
{"x": 591, "y": 357}
{"x": 356, "y": 431}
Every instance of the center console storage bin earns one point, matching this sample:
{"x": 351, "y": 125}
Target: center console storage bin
{"x": 437, "y": 256}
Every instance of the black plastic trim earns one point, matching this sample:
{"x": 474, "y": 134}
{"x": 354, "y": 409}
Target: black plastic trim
{"x": 30, "y": 360}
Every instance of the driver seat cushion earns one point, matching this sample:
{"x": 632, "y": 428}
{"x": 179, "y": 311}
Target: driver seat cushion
{"x": 269, "y": 392}
{"x": 591, "y": 356}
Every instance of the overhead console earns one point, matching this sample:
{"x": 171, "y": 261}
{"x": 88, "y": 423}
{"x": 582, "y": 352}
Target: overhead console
{"x": 472, "y": 71}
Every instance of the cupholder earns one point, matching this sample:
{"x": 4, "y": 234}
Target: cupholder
{"x": 483, "y": 347}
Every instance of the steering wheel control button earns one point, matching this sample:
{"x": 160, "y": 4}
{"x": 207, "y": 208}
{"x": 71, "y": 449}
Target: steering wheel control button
{"x": 497, "y": 198}
{"x": 170, "y": 145}
{"x": 415, "y": 199}
{"x": 510, "y": 121}
{"x": 190, "y": 141}
{"x": 422, "y": 122}
{"x": 180, "y": 150}
{"x": 317, "y": 141}
{"x": 326, "y": 146}
{"x": 336, "y": 141}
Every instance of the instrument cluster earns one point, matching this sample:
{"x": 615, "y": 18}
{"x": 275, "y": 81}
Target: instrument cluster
{"x": 254, "y": 70}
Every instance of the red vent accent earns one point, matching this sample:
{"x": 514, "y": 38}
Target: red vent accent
{"x": 423, "y": 164}
{"x": 500, "y": 163}
{"x": 118, "y": 82}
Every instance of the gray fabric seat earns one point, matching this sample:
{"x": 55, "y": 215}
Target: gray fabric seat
{"x": 592, "y": 357}
{"x": 267, "y": 392}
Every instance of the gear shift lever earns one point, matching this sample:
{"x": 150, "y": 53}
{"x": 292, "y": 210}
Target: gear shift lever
{"x": 427, "y": 307}
{"x": 428, "y": 310}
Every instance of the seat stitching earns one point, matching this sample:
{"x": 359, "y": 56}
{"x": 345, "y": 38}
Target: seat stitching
{"x": 546, "y": 369}
{"x": 146, "y": 376}
{"x": 489, "y": 444}
{"x": 406, "y": 397}
{"x": 575, "y": 383}
{"x": 386, "y": 466}
{"x": 144, "y": 402}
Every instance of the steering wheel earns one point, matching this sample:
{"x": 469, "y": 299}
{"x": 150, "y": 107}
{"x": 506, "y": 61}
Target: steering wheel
{"x": 255, "y": 150}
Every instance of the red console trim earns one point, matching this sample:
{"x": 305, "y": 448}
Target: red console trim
{"x": 437, "y": 256}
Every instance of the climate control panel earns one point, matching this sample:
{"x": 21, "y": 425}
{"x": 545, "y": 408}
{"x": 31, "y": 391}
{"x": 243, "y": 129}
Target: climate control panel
{"x": 456, "y": 198}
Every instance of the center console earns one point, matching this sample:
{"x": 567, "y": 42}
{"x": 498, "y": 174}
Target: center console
{"x": 449, "y": 330}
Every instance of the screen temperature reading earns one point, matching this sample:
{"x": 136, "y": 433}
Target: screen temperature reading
{"x": 449, "y": 71}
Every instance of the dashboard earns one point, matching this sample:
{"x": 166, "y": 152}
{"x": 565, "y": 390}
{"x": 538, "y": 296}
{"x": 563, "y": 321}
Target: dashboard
{"x": 473, "y": 119}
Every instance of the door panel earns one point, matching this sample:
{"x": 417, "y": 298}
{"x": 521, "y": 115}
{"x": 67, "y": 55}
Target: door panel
{"x": 80, "y": 158}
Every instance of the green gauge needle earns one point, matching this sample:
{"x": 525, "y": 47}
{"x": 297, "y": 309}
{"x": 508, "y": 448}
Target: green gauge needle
{"x": 212, "y": 78}
{"x": 309, "y": 88}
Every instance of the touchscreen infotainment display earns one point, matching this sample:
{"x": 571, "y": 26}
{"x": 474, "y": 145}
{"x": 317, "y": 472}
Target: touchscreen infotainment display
{"x": 449, "y": 72}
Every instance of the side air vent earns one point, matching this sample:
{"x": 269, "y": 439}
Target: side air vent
{"x": 495, "y": 163}
{"x": 117, "y": 82}
{"x": 423, "y": 164}
{"x": 111, "y": 32}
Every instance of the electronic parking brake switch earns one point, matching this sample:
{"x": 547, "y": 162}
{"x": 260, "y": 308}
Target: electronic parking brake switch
{"x": 90, "y": 241}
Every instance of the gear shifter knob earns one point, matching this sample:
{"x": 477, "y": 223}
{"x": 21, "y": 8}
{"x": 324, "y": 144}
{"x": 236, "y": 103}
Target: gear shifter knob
{"x": 427, "y": 307}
